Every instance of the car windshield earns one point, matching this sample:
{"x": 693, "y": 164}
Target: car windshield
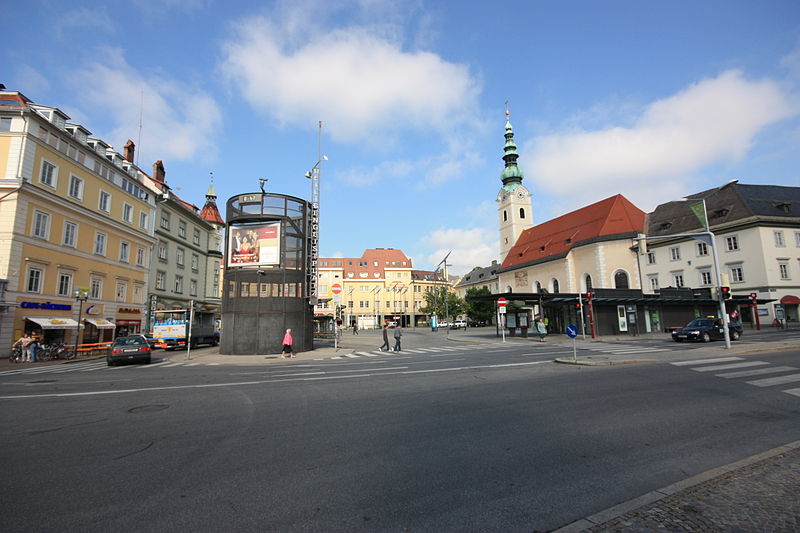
{"x": 700, "y": 323}
{"x": 130, "y": 341}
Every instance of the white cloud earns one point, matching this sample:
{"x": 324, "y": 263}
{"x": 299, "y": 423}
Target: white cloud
{"x": 712, "y": 121}
{"x": 469, "y": 247}
{"x": 83, "y": 19}
{"x": 179, "y": 121}
{"x": 358, "y": 80}
{"x": 34, "y": 81}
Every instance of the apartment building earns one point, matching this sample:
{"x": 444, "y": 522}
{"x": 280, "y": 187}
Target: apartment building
{"x": 379, "y": 286}
{"x": 76, "y": 229}
{"x": 757, "y": 237}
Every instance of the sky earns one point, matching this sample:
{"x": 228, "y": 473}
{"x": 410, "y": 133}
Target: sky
{"x": 651, "y": 100}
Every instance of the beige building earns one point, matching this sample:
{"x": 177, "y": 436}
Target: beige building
{"x": 379, "y": 286}
{"x": 75, "y": 221}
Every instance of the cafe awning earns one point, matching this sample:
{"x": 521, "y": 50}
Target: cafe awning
{"x": 101, "y": 323}
{"x": 53, "y": 323}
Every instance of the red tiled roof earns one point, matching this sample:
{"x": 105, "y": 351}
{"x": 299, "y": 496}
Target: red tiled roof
{"x": 384, "y": 257}
{"x": 612, "y": 216}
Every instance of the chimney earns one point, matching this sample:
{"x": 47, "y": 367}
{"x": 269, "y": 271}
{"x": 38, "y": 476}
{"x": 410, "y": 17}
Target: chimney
{"x": 130, "y": 149}
{"x": 158, "y": 172}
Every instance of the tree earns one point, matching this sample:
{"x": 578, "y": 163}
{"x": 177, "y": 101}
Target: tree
{"x": 442, "y": 303}
{"x": 479, "y": 309}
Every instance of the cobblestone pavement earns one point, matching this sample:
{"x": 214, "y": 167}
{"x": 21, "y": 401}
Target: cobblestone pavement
{"x": 762, "y": 496}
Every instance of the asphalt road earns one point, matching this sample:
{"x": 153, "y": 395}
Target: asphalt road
{"x": 475, "y": 438}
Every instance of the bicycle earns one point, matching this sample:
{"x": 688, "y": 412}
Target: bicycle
{"x": 16, "y": 354}
{"x": 52, "y": 351}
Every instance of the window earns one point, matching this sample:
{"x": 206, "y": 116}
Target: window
{"x": 653, "y": 278}
{"x": 621, "y": 280}
{"x": 49, "y": 174}
{"x": 522, "y": 212}
{"x": 70, "y": 234}
{"x": 124, "y": 252}
{"x": 33, "y": 283}
{"x": 122, "y": 291}
{"x": 76, "y": 187}
{"x": 140, "y": 256}
{"x": 193, "y": 287}
{"x": 783, "y": 269}
{"x": 143, "y": 220}
{"x": 702, "y": 249}
{"x": 181, "y": 229}
{"x": 161, "y": 280}
{"x": 5, "y": 124}
{"x": 195, "y": 262}
{"x": 196, "y": 237}
{"x": 105, "y": 202}
{"x": 505, "y": 216}
{"x": 96, "y": 288}
{"x": 732, "y": 243}
{"x": 127, "y": 213}
{"x": 179, "y": 256}
{"x": 651, "y": 258}
{"x": 555, "y": 285}
{"x": 41, "y": 225}
{"x": 165, "y": 221}
{"x": 780, "y": 242}
{"x": 100, "y": 243}
{"x": 705, "y": 277}
{"x": 162, "y": 251}
{"x": 736, "y": 274}
{"x": 675, "y": 253}
{"x": 677, "y": 279}
{"x": 64, "y": 284}
{"x": 797, "y": 238}
{"x": 179, "y": 284}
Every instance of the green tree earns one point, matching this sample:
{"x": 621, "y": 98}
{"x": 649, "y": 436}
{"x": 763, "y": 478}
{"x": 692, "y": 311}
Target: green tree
{"x": 443, "y": 304}
{"x": 480, "y": 309}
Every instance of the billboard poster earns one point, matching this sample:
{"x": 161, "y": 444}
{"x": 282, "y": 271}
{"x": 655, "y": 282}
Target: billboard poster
{"x": 254, "y": 245}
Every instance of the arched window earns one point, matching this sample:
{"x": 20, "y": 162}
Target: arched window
{"x": 508, "y": 289}
{"x": 521, "y": 212}
{"x": 555, "y": 285}
{"x": 538, "y": 287}
{"x": 588, "y": 283}
{"x": 621, "y": 280}
{"x": 505, "y": 216}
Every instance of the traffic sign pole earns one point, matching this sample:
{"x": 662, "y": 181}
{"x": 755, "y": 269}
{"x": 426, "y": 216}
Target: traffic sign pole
{"x": 501, "y": 310}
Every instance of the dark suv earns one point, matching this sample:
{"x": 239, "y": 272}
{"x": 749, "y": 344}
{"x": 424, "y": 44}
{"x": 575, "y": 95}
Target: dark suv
{"x": 706, "y": 329}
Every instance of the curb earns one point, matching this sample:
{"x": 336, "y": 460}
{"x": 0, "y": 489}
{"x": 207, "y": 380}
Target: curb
{"x": 607, "y": 362}
{"x": 653, "y": 496}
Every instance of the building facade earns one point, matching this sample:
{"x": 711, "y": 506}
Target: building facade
{"x": 76, "y": 229}
{"x": 757, "y": 237}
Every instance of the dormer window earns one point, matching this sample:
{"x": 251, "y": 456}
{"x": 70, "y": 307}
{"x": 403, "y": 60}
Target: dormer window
{"x": 719, "y": 213}
{"x": 541, "y": 248}
{"x": 665, "y": 226}
{"x": 568, "y": 240}
{"x": 785, "y": 207}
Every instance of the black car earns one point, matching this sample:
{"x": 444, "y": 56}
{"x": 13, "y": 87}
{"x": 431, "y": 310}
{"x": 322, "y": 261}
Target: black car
{"x": 706, "y": 329}
{"x": 129, "y": 349}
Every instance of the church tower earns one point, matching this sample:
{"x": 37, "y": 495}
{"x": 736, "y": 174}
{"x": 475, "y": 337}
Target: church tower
{"x": 514, "y": 209}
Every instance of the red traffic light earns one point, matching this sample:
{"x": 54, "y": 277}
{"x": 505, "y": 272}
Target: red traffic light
{"x": 726, "y": 293}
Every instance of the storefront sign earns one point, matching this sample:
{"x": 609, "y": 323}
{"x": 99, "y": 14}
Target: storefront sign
{"x": 45, "y": 305}
{"x": 129, "y": 310}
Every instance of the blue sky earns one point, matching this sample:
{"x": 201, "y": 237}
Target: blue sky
{"x": 653, "y": 100}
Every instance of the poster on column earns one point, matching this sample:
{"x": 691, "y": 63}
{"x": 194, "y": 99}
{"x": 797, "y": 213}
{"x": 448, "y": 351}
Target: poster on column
{"x": 254, "y": 245}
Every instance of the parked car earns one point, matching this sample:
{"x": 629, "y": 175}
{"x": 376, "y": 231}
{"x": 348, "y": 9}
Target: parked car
{"x": 443, "y": 324}
{"x": 131, "y": 348}
{"x": 476, "y": 323}
{"x": 705, "y": 330}
{"x": 459, "y": 324}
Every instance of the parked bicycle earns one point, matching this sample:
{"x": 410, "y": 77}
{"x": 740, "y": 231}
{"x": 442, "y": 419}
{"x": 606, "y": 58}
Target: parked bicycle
{"x": 56, "y": 350}
{"x": 16, "y": 355}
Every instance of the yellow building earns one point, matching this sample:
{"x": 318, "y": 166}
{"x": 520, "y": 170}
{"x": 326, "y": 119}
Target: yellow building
{"x": 379, "y": 286}
{"x": 76, "y": 229}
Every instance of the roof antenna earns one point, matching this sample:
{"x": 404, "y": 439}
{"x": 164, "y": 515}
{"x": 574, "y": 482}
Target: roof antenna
{"x": 139, "y": 139}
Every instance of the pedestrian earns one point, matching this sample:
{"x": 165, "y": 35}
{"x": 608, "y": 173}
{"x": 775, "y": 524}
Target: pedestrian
{"x": 355, "y": 327}
{"x": 287, "y": 345}
{"x": 385, "y": 344}
{"x": 24, "y": 342}
{"x": 541, "y": 329}
{"x": 33, "y": 348}
{"x": 398, "y": 332}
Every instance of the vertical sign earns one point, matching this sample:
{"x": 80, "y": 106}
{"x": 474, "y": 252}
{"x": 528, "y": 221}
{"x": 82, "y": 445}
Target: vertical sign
{"x": 313, "y": 256}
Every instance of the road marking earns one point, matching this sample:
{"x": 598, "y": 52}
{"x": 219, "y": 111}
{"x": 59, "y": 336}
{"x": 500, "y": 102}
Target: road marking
{"x": 715, "y": 368}
{"x": 795, "y": 392}
{"x": 780, "y": 380}
{"x": 757, "y": 372}
{"x": 708, "y": 361}
{"x": 351, "y": 356}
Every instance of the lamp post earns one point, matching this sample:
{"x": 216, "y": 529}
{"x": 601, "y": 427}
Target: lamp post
{"x": 313, "y": 257}
{"x": 81, "y": 294}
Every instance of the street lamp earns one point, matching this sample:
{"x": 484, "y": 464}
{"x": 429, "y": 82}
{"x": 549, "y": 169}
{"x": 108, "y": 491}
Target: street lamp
{"x": 81, "y": 294}
{"x": 313, "y": 257}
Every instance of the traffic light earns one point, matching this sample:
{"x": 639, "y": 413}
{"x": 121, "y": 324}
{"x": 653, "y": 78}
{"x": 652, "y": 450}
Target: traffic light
{"x": 726, "y": 293}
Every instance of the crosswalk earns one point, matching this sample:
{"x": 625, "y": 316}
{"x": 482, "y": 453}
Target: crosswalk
{"x": 622, "y": 349}
{"x": 93, "y": 366}
{"x": 739, "y": 368}
{"x": 433, "y": 350}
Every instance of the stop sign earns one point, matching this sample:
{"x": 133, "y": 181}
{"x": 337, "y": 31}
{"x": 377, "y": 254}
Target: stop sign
{"x": 336, "y": 288}
{"x": 502, "y": 302}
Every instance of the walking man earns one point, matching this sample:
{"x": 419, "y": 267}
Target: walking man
{"x": 398, "y": 332}
{"x": 385, "y": 345}
{"x": 355, "y": 327}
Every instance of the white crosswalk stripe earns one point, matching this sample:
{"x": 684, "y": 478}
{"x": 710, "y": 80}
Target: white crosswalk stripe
{"x": 713, "y": 365}
{"x": 779, "y": 380}
{"x": 756, "y": 372}
{"x": 708, "y": 361}
{"x": 731, "y": 366}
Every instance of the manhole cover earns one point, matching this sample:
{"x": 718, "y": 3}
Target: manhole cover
{"x": 148, "y": 408}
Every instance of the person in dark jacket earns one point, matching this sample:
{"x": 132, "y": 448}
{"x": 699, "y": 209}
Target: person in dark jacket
{"x": 398, "y": 332}
{"x": 385, "y": 345}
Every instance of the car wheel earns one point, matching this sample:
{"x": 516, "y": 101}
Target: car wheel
{"x": 678, "y": 340}
{"x": 735, "y": 335}
{"x": 706, "y": 337}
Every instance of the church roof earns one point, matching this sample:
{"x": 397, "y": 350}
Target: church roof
{"x": 613, "y": 218}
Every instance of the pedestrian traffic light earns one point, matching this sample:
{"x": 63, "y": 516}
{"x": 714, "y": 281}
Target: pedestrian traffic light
{"x": 726, "y": 293}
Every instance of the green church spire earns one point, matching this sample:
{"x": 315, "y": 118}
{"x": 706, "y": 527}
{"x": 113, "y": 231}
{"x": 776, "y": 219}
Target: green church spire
{"x": 512, "y": 174}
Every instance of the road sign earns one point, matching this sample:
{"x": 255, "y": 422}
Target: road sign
{"x": 336, "y": 288}
{"x": 502, "y": 302}
{"x": 572, "y": 331}
{"x": 501, "y": 310}
{"x": 753, "y": 296}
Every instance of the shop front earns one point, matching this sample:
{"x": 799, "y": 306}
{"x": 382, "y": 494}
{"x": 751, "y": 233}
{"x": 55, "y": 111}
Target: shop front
{"x": 51, "y": 329}
{"x": 98, "y": 330}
